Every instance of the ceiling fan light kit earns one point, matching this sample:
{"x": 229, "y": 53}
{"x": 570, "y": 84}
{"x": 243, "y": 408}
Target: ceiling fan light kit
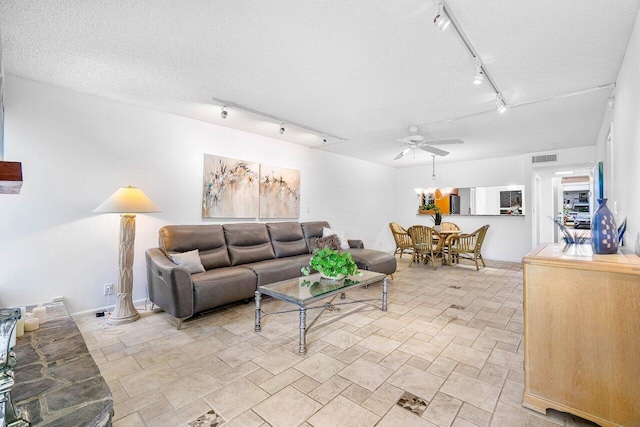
{"x": 416, "y": 141}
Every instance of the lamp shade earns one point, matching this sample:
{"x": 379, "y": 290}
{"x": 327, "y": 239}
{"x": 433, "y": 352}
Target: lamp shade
{"x": 127, "y": 200}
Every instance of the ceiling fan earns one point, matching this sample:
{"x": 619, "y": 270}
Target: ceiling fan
{"x": 415, "y": 141}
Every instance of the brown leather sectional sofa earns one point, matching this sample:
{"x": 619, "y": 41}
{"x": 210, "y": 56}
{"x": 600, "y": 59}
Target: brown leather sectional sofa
{"x": 237, "y": 258}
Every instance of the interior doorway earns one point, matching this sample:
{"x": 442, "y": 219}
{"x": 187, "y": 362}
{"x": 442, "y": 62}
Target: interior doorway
{"x": 576, "y": 202}
{"x": 560, "y": 192}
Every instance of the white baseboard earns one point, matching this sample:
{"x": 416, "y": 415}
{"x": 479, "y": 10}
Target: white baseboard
{"x": 139, "y": 304}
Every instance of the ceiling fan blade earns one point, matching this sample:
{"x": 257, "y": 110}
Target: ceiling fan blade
{"x": 434, "y": 150}
{"x": 402, "y": 153}
{"x": 444, "y": 142}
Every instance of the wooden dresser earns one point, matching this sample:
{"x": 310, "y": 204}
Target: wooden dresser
{"x": 582, "y": 334}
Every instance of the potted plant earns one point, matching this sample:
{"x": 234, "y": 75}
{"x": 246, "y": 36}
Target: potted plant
{"x": 436, "y": 216}
{"x": 331, "y": 264}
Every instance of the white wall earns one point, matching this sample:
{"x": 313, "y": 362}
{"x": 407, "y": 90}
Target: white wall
{"x": 77, "y": 149}
{"x": 546, "y": 209}
{"x": 625, "y": 194}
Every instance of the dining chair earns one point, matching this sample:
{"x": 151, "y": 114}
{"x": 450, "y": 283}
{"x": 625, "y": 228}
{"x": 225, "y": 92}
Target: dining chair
{"x": 469, "y": 246}
{"x": 402, "y": 239}
{"x": 425, "y": 248}
{"x": 449, "y": 226}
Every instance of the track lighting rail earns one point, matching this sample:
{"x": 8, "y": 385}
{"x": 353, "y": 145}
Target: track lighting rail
{"x": 279, "y": 120}
{"x": 522, "y": 104}
{"x": 474, "y": 54}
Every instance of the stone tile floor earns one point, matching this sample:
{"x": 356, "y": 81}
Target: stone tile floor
{"x": 449, "y": 349}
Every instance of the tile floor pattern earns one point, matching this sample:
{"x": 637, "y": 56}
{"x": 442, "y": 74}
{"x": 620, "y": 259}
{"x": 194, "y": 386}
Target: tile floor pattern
{"x": 452, "y": 338}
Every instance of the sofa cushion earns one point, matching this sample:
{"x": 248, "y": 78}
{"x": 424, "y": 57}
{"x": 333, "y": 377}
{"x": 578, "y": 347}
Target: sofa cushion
{"x": 287, "y": 239}
{"x": 222, "y": 286}
{"x": 276, "y": 270}
{"x": 207, "y": 239}
{"x": 189, "y": 260}
{"x": 331, "y": 242}
{"x": 314, "y": 228}
{"x": 248, "y": 243}
{"x": 380, "y": 262}
{"x": 342, "y": 236}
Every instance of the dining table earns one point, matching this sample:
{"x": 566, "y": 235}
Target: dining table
{"x": 447, "y": 235}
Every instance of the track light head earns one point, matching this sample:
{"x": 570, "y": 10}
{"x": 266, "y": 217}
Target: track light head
{"x": 479, "y": 77}
{"x": 441, "y": 20}
{"x": 224, "y": 113}
{"x": 479, "y": 71}
{"x": 281, "y": 128}
{"x": 500, "y": 104}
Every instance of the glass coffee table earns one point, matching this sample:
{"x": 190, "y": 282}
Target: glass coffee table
{"x": 306, "y": 292}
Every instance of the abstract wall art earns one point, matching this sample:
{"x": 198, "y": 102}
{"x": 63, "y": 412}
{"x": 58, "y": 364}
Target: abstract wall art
{"x": 279, "y": 192}
{"x": 230, "y": 188}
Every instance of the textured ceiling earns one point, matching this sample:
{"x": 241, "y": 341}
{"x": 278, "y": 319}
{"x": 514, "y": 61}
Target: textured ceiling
{"x": 361, "y": 69}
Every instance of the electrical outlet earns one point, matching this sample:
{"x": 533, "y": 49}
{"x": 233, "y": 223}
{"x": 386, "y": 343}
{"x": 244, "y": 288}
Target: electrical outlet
{"x": 108, "y": 289}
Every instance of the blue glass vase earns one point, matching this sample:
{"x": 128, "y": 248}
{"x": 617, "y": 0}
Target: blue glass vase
{"x": 604, "y": 233}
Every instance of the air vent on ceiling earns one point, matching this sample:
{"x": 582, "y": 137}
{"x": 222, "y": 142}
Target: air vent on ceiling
{"x": 544, "y": 158}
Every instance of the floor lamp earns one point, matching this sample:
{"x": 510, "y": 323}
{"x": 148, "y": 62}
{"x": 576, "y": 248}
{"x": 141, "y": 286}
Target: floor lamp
{"x": 127, "y": 201}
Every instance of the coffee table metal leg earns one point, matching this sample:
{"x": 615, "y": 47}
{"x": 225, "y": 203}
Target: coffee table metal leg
{"x": 384, "y": 294}
{"x": 257, "y": 327}
{"x": 303, "y": 331}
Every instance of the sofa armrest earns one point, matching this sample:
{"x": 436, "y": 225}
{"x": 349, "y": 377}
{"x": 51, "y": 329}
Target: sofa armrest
{"x": 169, "y": 285}
{"x": 356, "y": 244}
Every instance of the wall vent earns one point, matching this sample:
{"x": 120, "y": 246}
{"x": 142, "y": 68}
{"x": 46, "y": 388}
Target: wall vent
{"x": 544, "y": 158}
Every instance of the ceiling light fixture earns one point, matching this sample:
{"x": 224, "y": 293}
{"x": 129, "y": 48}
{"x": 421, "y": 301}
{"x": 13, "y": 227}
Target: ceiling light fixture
{"x": 281, "y": 128}
{"x": 564, "y": 172}
{"x": 441, "y": 20}
{"x": 434, "y": 193}
{"x": 224, "y": 113}
{"x": 479, "y": 77}
{"x": 479, "y": 72}
{"x": 228, "y": 104}
{"x": 501, "y": 106}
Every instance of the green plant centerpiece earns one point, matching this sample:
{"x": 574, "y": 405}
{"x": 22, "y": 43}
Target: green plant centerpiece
{"x": 331, "y": 264}
{"x": 436, "y": 216}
